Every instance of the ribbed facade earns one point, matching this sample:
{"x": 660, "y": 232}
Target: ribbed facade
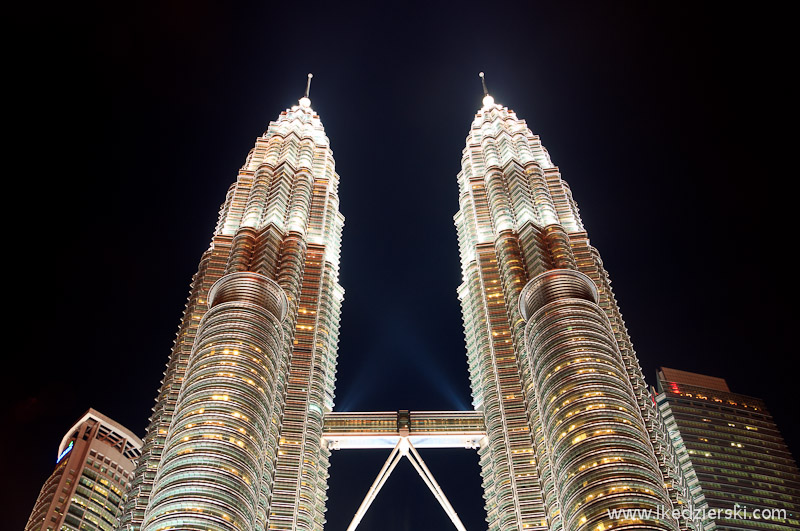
{"x": 235, "y": 440}
{"x": 597, "y": 443}
{"x": 739, "y": 458}
{"x": 216, "y": 462}
{"x": 572, "y": 428}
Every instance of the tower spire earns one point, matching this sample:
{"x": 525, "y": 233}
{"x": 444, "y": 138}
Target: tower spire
{"x": 488, "y": 101}
{"x": 305, "y": 101}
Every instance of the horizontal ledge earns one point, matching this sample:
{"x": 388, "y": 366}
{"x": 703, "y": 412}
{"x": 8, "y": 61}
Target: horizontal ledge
{"x": 247, "y": 286}
{"x": 554, "y": 285}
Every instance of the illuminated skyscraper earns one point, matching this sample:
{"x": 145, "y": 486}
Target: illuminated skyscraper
{"x": 236, "y": 431}
{"x": 565, "y": 426}
{"x": 572, "y": 429}
{"x": 93, "y": 470}
{"x": 739, "y": 458}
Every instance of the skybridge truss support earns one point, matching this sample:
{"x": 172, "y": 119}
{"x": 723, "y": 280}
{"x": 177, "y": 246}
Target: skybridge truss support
{"x": 404, "y": 448}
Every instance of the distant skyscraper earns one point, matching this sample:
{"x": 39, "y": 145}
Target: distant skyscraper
{"x": 93, "y": 471}
{"x": 572, "y": 429}
{"x": 235, "y": 439}
{"x": 737, "y": 452}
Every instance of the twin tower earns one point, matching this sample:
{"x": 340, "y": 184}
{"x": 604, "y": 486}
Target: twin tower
{"x": 564, "y": 425}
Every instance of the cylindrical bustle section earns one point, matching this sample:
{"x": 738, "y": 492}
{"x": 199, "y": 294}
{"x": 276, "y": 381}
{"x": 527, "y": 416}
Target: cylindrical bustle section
{"x": 597, "y": 441}
{"x": 211, "y": 472}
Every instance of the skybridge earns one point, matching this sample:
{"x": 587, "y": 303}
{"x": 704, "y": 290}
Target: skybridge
{"x": 423, "y": 429}
{"x": 404, "y": 431}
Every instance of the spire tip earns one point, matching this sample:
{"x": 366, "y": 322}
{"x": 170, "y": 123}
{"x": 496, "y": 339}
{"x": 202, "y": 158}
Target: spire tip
{"x": 305, "y": 101}
{"x": 485, "y": 92}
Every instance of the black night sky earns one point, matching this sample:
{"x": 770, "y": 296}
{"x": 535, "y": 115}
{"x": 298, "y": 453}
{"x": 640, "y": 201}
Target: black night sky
{"x": 667, "y": 120}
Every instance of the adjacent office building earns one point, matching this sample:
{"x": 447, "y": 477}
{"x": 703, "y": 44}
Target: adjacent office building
{"x": 94, "y": 467}
{"x": 746, "y": 472}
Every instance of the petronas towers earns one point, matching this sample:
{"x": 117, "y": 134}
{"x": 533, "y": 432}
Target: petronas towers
{"x": 237, "y": 438}
{"x": 573, "y": 431}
